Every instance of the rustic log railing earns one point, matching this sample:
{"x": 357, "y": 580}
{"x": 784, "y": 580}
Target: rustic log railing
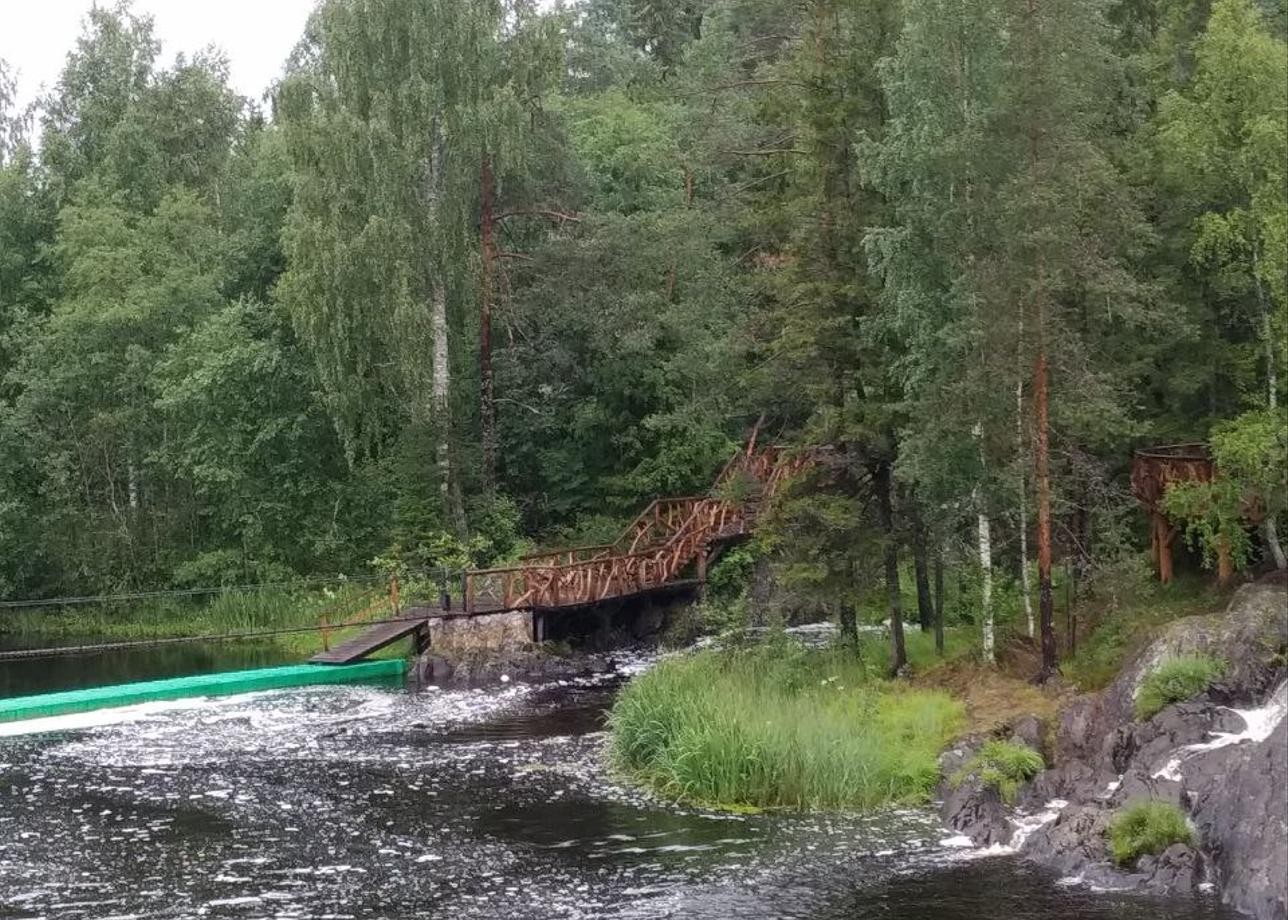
{"x": 652, "y": 551}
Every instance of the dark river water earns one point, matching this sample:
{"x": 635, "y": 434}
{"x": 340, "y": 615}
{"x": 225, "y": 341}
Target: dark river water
{"x": 19, "y": 677}
{"x": 379, "y": 802}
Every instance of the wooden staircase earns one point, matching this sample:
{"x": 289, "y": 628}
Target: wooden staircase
{"x": 651, "y": 553}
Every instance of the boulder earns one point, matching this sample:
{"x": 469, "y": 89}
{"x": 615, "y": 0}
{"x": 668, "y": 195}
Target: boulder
{"x": 977, "y": 811}
{"x": 1238, "y": 798}
{"x": 1198, "y": 754}
{"x": 1178, "y": 870}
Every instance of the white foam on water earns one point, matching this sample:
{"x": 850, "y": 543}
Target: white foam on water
{"x": 97, "y": 718}
{"x": 1025, "y": 825}
{"x": 1258, "y": 725}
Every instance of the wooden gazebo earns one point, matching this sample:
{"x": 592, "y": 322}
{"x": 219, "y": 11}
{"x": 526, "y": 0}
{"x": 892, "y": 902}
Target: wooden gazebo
{"x": 1153, "y": 469}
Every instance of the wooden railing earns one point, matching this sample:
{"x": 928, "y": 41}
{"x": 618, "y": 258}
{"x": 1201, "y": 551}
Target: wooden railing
{"x": 653, "y": 549}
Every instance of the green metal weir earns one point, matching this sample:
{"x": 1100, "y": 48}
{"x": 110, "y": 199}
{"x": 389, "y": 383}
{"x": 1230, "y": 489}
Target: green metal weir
{"x": 299, "y": 675}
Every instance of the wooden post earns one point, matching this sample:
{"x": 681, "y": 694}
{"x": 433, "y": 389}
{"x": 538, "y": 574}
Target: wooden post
{"x": 1224, "y": 563}
{"x": 393, "y": 592}
{"x": 467, "y": 592}
{"x": 421, "y": 639}
{"x": 1154, "y": 541}
{"x": 1164, "y": 538}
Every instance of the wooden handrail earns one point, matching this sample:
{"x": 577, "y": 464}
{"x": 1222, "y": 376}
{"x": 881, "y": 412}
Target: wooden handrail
{"x": 673, "y": 531}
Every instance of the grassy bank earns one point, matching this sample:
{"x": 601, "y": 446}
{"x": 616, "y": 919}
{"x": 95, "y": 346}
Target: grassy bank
{"x": 779, "y": 726}
{"x": 233, "y": 611}
{"x": 1124, "y": 614}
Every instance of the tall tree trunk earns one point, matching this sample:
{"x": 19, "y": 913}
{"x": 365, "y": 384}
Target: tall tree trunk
{"x": 1268, "y": 528}
{"x": 1267, "y": 334}
{"x": 1026, "y": 591}
{"x": 487, "y": 401}
{"x": 921, "y": 568}
{"x": 883, "y": 481}
{"x": 939, "y": 600}
{"x": 986, "y": 579}
{"x": 441, "y": 385}
{"x": 132, "y": 473}
{"x": 442, "y": 403}
{"x": 1271, "y": 533}
{"x": 1042, "y": 477}
{"x": 985, "y": 544}
{"x": 761, "y": 589}
{"x": 848, "y": 621}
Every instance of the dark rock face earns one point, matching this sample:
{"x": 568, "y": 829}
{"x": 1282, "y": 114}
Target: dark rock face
{"x": 972, "y": 808}
{"x": 976, "y": 811}
{"x": 1177, "y": 871}
{"x": 1238, "y": 798}
{"x": 1229, "y": 775}
{"x": 1072, "y": 842}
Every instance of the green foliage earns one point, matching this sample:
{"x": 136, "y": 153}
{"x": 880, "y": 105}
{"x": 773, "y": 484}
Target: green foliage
{"x": 1147, "y": 828}
{"x": 1127, "y": 608}
{"x": 779, "y": 726}
{"x": 1002, "y": 766}
{"x": 231, "y": 610}
{"x": 1175, "y": 680}
{"x": 857, "y": 217}
{"x": 1248, "y": 455}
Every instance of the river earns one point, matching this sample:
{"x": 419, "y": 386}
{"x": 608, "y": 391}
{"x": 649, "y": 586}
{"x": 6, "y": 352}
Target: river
{"x": 382, "y": 802}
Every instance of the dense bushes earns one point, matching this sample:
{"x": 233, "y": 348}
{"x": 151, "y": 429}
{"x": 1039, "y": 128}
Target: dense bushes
{"x": 1147, "y": 828}
{"x": 1174, "y": 680}
{"x": 777, "y": 725}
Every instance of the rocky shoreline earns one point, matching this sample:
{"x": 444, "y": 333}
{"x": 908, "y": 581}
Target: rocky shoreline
{"x": 1221, "y": 757}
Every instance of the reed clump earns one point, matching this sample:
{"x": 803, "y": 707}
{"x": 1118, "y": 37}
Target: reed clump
{"x": 777, "y": 725}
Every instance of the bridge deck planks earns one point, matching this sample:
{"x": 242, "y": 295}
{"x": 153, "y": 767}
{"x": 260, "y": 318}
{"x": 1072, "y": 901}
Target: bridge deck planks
{"x": 377, "y": 636}
{"x": 369, "y": 641}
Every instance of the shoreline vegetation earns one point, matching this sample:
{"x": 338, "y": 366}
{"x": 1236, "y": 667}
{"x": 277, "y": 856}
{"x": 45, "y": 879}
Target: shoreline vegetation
{"x": 776, "y": 724}
{"x": 779, "y": 725}
{"x": 231, "y": 611}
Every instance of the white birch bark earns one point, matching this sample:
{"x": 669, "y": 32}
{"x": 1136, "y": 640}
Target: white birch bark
{"x": 985, "y": 559}
{"x": 1025, "y": 590}
{"x": 441, "y": 380}
{"x": 1268, "y": 528}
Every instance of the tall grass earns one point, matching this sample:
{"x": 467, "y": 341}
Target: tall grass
{"x": 1003, "y": 766}
{"x": 1175, "y": 680}
{"x": 232, "y": 611}
{"x": 780, "y": 726}
{"x": 1147, "y": 828}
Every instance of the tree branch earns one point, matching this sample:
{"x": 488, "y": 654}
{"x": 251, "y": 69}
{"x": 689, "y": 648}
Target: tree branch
{"x": 539, "y": 212}
{"x": 769, "y": 152}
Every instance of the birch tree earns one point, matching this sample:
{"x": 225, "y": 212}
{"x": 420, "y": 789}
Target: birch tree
{"x": 379, "y": 110}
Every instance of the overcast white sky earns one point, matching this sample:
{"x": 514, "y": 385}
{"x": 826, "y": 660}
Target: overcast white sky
{"x": 257, "y": 35}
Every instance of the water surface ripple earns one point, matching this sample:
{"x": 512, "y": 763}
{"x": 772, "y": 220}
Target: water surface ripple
{"x": 368, "y": 802}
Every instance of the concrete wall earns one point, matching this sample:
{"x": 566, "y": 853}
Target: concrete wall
{"x": 494, "y": 631}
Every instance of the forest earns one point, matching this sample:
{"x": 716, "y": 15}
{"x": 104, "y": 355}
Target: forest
{"x": 478, "y": 277}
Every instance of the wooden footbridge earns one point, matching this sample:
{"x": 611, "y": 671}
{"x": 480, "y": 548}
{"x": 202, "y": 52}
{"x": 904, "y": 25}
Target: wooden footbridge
{"x": 668, "y": 546}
